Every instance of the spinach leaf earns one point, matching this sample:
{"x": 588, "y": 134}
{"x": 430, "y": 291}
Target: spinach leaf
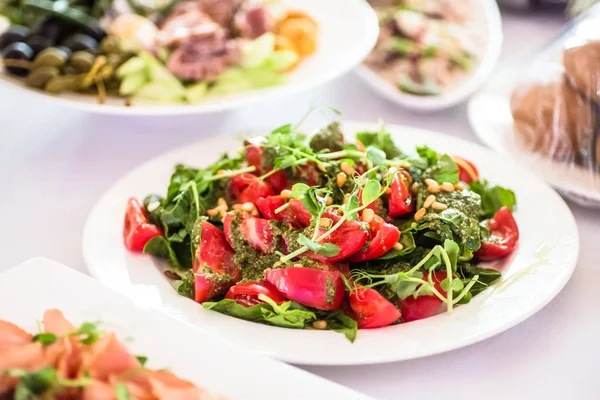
{"x": 186, "y": 285}
{"x": 339, "y": 322}
{"x": 159, "y": 246}
{"x": 287, "y": 315}
{"x": 428, "y": 154}
{"x": 382, "y": 140}
{"x": 446, "y": 170}
{"x": 493, "y": 197}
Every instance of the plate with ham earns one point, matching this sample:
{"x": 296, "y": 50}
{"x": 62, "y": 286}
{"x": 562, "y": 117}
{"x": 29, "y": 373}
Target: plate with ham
{"x": 76, "y": 339}
{"x": 360, "y": 243}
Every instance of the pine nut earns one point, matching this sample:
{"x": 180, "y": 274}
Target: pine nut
{"x": 220, "y": 172}
{"x": 346, "y": 197}
{"x": 431, "y": 182}
{"x": 212, "y": 212}
{"x": 222, "y": 214}
{"x": 222, "y": 207}
{"x": 414, "y": 188}
{"x": 398, "y": 246}
{"x": 247, "y": 206}
{"x": 368, "y": 215}
{"x": 298, "y": 266}
{"x": 429, "y": 201}
{"x": 434, "y": 189}
{"x": 341, "y": 179}
{"x": 458, "y": 186}
{"x": 347, "y": 168}
{"x": 324, "y": 223}
{"x": 221, "y": 201}
{"x": 447, "y": 187}
{"x": 237, "y": 207}
{"x": 420, "y": 214}
{"x": 360, "y": 146}
{"x": 388, "y": 191}
{"x": 277, "y": 264}
{"x": 286, "y": 194}
{"x": 320, "y": 324}
{"x": 329, "y": 201}
{"x": 439, "y": 206}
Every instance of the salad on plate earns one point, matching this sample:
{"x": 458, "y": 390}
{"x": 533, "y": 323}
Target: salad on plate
{"x": 322, "y": 232}
{"x": 63, "y": 361}
{"x": 168, "y": 52}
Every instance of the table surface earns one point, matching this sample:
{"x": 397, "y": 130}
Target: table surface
{"x": 56, "y": 162}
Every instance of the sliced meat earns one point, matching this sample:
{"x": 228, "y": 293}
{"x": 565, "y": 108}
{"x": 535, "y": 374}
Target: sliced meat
{"x": 55, "y": 322}
{"x": 582, "y": 64}
{"x": 108, "y": 357}
{"x": 221, "y": 11}
{"x": 11, "y": 335}
{"x": 253, "y": 22}
{"x": 187, "y": 20}
{"x": 203, "y": 58}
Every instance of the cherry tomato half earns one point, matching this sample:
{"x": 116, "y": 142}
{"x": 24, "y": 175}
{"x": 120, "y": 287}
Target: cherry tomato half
{"x": 137, "y": 230}
{"x": 311, "y": 287}
{"x": 382, "y": 238}
{"x": 467, "y": 170}
{"x": 294, "y": 214}
{"x": 504, "y": 236}
{"x": 400, "y": 201}
{"x": 246, "y": 294}
{"x": 245, "y": 188}
{"x": 371, "y": 309}
{"x": 255, "y": 231}
{"x": 423, "y": 306}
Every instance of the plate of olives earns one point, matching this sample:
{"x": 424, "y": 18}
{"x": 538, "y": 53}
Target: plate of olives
{"x": 179, "y": 57}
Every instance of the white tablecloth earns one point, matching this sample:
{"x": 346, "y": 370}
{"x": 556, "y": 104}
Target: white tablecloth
{"x": 56, "y": 162}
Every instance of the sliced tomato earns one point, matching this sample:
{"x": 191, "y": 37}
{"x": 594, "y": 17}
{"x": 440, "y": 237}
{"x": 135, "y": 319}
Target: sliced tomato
{"x": 423, "y": 306}
{"x": 214, "y": 267}
{"x": 376, "y": 205}
{"x": 295, "y": 214}
{"x": 311, "y": 287}
{"x": 467, "y": 170}
{"x": 137, "y": 229}
{"x": 503, "y": 239}
{"x": 349, "y": 237}
{"x": 372, "y": 310}
{"x": 382, "y": 238}
{"x": 254, "y": 153}
{"x": 307, "y": 173}
{"x": 245, "y": 188}
{"x": 246, "y": 294}
{"x": 400, "y": 201}
{"x": 254, "y": 231}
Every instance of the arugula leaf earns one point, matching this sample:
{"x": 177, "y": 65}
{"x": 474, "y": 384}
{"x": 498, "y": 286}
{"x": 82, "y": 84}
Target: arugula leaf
{"x": 325, "y": 249}
{"x": 382, "y": 140}
{"x": 287, "y": 315}
{"x": 493, "y": 197}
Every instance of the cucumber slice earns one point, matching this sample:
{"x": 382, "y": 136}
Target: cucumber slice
{"x": 255, "y": 52}
{"x": 281, "y": 61}
{"x": 131, "y": 67}
{"x": 196, "y": 92}
{"x": 157, "y": 91}
{"x": 133, "y": 83}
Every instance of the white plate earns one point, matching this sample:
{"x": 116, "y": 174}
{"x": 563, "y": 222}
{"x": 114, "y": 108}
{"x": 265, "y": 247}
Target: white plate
{"x": 221, "y": 368}
{"x": 491, "y": 119}
{"x": 536, "y": 272}
{"x": 487, "y": 28}
{"x": 348, "y": 30}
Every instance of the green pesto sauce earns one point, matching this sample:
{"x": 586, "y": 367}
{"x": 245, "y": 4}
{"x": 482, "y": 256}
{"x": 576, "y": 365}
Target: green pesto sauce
{"x": 330, "y": 290}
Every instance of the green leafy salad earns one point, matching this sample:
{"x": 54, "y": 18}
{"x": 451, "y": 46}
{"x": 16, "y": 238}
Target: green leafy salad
{"x": 327, "y": 232}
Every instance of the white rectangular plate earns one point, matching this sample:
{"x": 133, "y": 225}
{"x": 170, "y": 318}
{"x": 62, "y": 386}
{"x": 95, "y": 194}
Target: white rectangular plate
{"x": 223, "y": 369}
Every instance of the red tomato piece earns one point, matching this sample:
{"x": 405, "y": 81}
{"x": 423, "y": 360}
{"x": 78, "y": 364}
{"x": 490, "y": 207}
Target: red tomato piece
{"x": 245, "y": 188}
{"x": 254, "y": 153}
{"x": 423, "y": 306}
{"x": 349, "y": 237}
{"x": 255, "y": 231}
{"x": 400, "y": 201}
{"x": 312, "y": 287}
{"x": 278, "y": 180}
{"x": 504, "y": 236}
{"x": 246, "y": 294}
{"x": 307, "y": 173}
{"x": 137, "y": 229}
{"x": 295, "y": 214}
{"x": 371, "y": 309}
{"x": 214, "y": 267}
{"x": 467, "y": 170}
{"x": 382, "y": 238}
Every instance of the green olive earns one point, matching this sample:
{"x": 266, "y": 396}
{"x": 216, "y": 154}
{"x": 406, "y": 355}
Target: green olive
{"x": 38, "y": 77}
{"x": 51, "y": 56}
{"x": 110, "y": 45}
{"x": 82, "y": 61}
{"x": 63, "y": 83}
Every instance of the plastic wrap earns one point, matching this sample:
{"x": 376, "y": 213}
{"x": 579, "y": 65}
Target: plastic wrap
{"x": 556, "y": 104}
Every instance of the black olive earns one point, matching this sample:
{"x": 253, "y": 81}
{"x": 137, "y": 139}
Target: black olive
{"x": 81, "y": 42}
{"x": 67, "y": 51}
{"x": 17, "y": 51}
{"x": 15, "y": 33}
{"x": 95, "y": 31}
{"x": 39, "y": 43}
{"x": 53, "y": 28}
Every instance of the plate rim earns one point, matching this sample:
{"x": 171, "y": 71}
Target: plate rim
{"x": 390, "y": 357}
{"x": 261, "y": 96}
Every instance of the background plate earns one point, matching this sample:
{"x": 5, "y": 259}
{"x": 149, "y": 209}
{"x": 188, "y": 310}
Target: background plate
{"x": 39, "y": 284}
{"x": 534, "y": 274}
{"x": 348, "y": 30}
